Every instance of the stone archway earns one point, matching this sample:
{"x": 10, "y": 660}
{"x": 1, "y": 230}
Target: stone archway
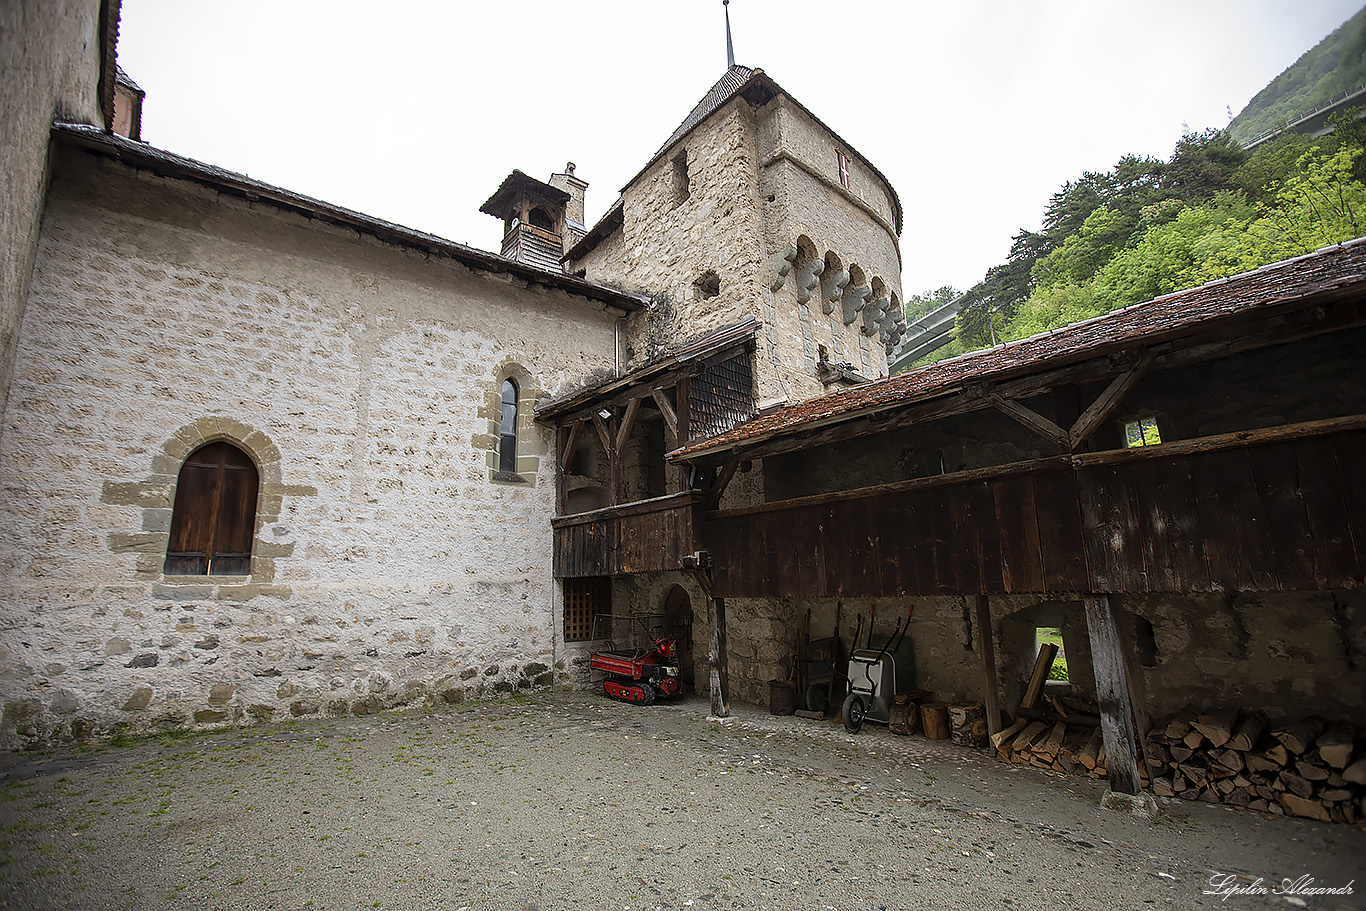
{"x": 678, "y": 617}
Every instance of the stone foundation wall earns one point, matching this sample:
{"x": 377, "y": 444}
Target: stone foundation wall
{"x": 388, "y": 567}
{"x": 1292, "y": 655}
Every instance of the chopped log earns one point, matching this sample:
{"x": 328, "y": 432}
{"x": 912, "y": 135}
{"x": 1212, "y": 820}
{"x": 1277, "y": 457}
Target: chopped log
{"x": 1260, "y": 805}
{"x": 1180, "y": 724}
{"x": 1217, "y": 726}
{"x": 935, "y": 718}
{"x": 1294, "y": 784}
{"x": 1089, "y": 754}
{"x": 1266, "y": 792}
{"x": 1243, "y": 782}
{"x": 1335, "y": 744}
{"x": 1197, "y": 776}
{"x": 1047, "y": 653}
{"x": 1335, "y": 780}
{"x": 1298, "y": 736}
{"x": 1238, "y": 798}
{"x": 1027, "y": 737}
{"x": 1296, "y": 805}
{"x": 1278, "y": 754}
{"x": 1004, "y": 736}
{"x": 1257, "y": 761}
{"x": 1334, "y": 795}
{"x": 1180, "y": 752}
{"x": 1193, "y": 739}
{"x": 1313, "y": 771}
{"x": 1048, "y": 747}
{"x": 1162, "y": 786}
{"x": 1225, "y": 786}
{"x": 1356, "y": 772}
{"x": 1248, "y": 732}
{"x": 1231, "y": 760}
{"x": 968, "y": 723}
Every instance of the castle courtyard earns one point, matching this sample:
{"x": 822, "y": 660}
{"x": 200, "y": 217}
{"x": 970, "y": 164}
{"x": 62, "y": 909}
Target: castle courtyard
{"x": 573, "y": 801}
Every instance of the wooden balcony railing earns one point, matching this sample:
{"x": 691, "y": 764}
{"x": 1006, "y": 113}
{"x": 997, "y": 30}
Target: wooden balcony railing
{"x": 642, "y": 537}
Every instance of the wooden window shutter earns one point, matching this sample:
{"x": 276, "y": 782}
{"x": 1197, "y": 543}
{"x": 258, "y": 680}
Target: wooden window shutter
{"x": 213, "y": 520}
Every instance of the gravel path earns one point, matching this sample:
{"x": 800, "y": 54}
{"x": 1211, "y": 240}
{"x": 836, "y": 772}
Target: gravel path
{"x": 573, "y": 802}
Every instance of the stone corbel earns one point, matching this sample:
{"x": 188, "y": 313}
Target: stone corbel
{"x": 873, "y": 312}
{"x": 855, "y": 299}
{"x": 780, "y": 264}
{"x": 887, "y": 328}
{"x": 808, "y": 276}
{"x": 832, "y": 287}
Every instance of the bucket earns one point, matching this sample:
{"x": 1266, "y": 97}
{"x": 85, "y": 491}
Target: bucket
{"x": 782, "y": 697}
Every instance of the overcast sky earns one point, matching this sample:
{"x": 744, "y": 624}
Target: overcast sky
{"x": 976, "y": 110}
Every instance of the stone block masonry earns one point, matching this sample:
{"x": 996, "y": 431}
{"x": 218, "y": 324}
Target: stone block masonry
{"x": 387, "y": 568}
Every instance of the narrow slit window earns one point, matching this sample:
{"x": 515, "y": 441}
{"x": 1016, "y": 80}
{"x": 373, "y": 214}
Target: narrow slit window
{"x": 213, "y": 519}
{"x": 1142, "y": 432}
{"x": 682, "y": 180}
{"x": 507, "y": 433}
{"x": 844, "y": 169}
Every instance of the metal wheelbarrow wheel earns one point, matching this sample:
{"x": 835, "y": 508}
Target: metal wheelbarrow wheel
{"x": 855, "y": 710}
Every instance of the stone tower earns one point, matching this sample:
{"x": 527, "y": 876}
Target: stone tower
{"x": 755, "y": 208}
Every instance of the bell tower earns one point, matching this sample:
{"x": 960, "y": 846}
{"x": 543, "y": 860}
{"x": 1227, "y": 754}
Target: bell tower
{"x": 540, "y": 220}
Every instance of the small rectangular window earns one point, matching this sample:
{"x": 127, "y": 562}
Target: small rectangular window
{"x": 1142, "y": 432}
{"x": 844, "y": 169}
{"x": 584, "y": 599}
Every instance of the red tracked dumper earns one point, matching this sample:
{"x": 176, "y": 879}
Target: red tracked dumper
{"x": 640, "y": 675}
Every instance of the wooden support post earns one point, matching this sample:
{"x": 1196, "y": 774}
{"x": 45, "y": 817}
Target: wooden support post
{"x": 990, "y": 685}
{"x": 718, "y": 659}
{"x": 1112, "y": 690}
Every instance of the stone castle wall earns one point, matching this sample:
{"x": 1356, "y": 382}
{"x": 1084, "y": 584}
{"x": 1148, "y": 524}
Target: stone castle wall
{"x": 51, "y": 54}
{"x": 364, "y": 380}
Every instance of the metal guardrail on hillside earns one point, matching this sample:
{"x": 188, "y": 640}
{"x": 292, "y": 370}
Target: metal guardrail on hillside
{"x": 1328, "y": 105}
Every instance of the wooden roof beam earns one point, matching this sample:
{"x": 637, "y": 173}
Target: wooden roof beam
{"x": 1029, "y": 418}
{"x": 1106, "y": 403}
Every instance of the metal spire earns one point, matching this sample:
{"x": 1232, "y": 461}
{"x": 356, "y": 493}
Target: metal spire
{"x": 730, "y": 49}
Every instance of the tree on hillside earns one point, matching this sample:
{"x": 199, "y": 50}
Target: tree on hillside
{"x": 1201, "y": 165}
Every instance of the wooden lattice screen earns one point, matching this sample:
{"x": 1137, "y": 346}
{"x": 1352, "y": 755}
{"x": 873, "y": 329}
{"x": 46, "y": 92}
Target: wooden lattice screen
{"x": 584, "y": 599}
{"x": 721, "y": 396}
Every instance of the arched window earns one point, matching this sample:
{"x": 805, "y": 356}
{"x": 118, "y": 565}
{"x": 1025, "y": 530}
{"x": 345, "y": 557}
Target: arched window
{"x": 541, "y": 219}
{"x": 507, "y": 433}
{"x": 214, "y": 516}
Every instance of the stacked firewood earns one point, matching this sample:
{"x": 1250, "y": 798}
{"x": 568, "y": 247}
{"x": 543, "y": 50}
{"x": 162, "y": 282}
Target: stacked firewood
{"x": 1064, "y": 738}
{"x": 1303, "y": 768}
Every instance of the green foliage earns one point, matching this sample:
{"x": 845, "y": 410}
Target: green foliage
{"x": 1059, "y": 669}
{"x": 1333, "y": 67}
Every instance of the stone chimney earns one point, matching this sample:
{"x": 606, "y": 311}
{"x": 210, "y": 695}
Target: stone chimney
{"x": 574, "y": 227}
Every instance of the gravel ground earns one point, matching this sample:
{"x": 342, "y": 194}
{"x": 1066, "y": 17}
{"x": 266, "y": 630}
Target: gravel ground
{"x": 572, "y": 802}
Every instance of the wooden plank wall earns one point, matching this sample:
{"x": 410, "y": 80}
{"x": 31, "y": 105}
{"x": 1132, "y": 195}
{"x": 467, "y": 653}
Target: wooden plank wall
{"x": 1270, "y": 517}
{"x": 651, "y": 536}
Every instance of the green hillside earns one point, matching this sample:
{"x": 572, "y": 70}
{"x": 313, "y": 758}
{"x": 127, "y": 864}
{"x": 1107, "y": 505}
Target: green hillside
{"x": 1332, "y": 68}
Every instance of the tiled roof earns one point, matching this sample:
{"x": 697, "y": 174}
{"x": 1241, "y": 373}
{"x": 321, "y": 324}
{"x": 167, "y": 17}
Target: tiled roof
{"x": 730, "y": 83}
{"x": 1334, "y": 268}
{"x": 166, "y": 164}
{"x": 518, "y": 182}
